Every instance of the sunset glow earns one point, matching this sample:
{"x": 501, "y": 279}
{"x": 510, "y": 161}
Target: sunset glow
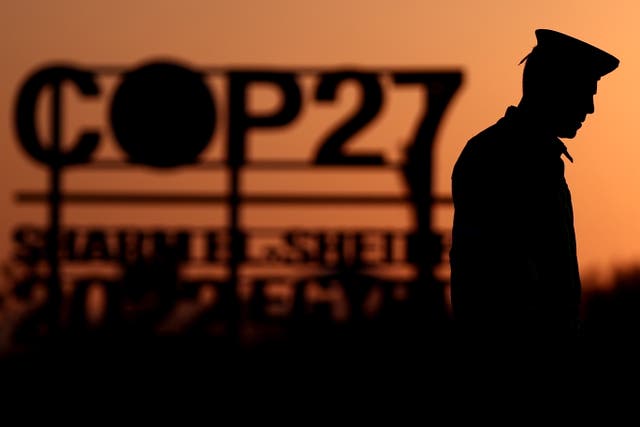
{"x": 484, "y": 40}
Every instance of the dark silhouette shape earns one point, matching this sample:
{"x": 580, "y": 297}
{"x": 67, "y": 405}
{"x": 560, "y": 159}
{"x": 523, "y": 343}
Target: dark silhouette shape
{"x": 163, "y": 116}
{"x": 514, "y": 270}
{"x": 157, "y": 105}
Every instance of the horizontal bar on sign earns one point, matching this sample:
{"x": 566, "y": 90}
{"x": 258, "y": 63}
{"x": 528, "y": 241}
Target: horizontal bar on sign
{"x": 167, "y": 198}
{"x": 338, "y": 68}
{"x": 118, "y": 69}
{"x": 261, "y": 165}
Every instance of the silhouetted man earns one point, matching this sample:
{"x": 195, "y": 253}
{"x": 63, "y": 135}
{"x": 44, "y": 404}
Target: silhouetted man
{"x": 514, "y": 271}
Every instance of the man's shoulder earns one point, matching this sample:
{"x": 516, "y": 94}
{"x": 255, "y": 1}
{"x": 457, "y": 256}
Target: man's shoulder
{"x": 494, "y": 136}
{"x": 490, "y": 153}
{"x": 489, "y": 145}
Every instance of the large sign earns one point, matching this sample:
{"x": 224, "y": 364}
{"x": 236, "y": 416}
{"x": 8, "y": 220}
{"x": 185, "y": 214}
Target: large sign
{"x": 164, "y": 115}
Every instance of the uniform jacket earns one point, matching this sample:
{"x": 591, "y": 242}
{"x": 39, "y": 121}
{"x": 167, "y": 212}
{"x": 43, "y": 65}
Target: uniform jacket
{"x": 513, "y": 256}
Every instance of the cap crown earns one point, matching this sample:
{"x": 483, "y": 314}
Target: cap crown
{"x": 570, "y": 53}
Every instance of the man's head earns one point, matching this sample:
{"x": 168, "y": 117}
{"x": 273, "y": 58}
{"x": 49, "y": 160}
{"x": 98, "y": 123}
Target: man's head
{"x": 560, "y": 80}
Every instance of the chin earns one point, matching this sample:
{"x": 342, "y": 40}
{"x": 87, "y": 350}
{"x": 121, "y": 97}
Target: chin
{"x": 568, "y": 135}
{"x": 569, "y": 132}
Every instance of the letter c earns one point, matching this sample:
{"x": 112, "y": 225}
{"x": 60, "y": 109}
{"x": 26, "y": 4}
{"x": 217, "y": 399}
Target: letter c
{"x": 25, "y": 115}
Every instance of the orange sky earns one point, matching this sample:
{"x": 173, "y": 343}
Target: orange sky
{"x": 485, "y": 40}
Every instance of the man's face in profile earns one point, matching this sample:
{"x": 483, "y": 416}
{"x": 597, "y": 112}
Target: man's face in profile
{"x": 572, "y": 102}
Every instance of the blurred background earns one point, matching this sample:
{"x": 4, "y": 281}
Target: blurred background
{"x": 327, "y": 254}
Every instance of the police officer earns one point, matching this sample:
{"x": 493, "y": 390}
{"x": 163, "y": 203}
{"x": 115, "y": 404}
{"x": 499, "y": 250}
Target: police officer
{"x": 514, "y": 271}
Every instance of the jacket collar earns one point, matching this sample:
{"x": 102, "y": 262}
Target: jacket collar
{"x": 535, "y": 131}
